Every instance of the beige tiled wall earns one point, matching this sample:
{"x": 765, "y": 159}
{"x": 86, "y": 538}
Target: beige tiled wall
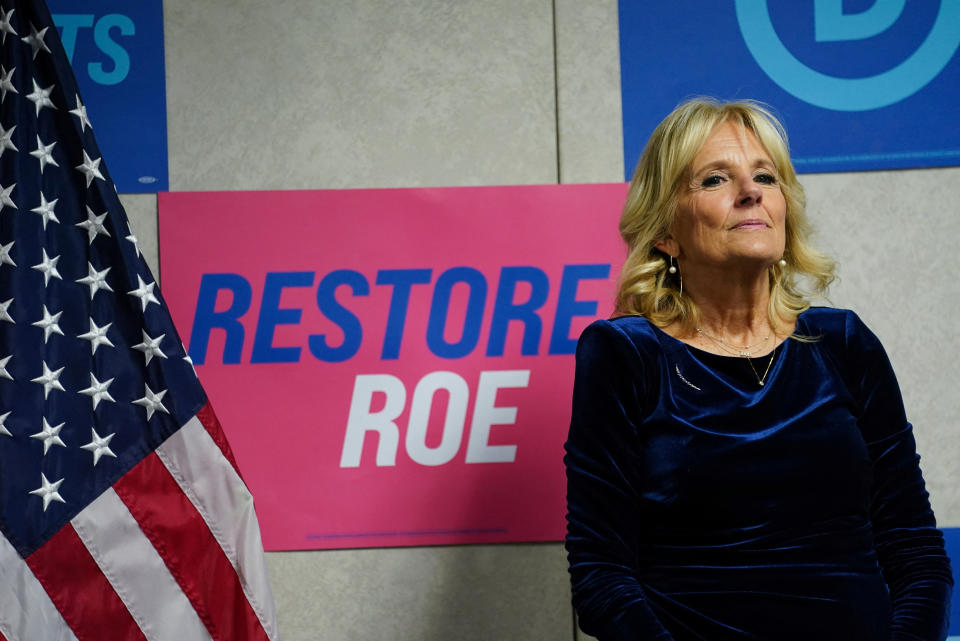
{"x": 401, "y": 93}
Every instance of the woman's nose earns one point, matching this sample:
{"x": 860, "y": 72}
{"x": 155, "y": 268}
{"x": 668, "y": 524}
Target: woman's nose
{"x": 750, "y": 194}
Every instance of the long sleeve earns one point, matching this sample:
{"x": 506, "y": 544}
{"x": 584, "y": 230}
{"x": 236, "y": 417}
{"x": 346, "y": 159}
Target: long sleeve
{"x": 909, "y": 546}
{"x": 602, "y": 504}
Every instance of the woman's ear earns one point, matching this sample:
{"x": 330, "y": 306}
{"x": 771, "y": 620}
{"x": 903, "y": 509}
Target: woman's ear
{"x": 668, "y": 246}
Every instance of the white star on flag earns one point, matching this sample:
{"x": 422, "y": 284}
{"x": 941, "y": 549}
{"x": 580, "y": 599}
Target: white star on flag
{"x": 49, "y": 380}
{"x": 145, "y": 293}
{"x": 150, "y": 346}
{"x": 136, "y": 244}
{"x": 45, "y": 210}
{"x": 48, "y": 491}
{"x": 81, "y": 113}
{"x": 94, "y": 224}
{"x": 6, "y": 135}
{"x": 5, "y": 26}
{"x": 98, "y": 391}
{"x": 44, "y": 153}
{"x": 97, "y": 336}
{"x": 151, "y": 402}
{"x": 90, "y": 168}
{"x": 41, "y": 97}
{"x": 49, "y": 268}
{"x": 99, "y": 446}
{"x": 6, "y": 82}
{"x": 5, "y": 199}
{"x": 49, "y": 324}
{"x": 50, "y": 435}
{"x": 190, "y": 360}
{"x": 3, "y": 428}
{"x": 35, "y": 40}
{"x": 96, "y": 280}
{"x": 3, "y": 367}
{"x": 5, "y": 254}
{"x": 4, "y": 314}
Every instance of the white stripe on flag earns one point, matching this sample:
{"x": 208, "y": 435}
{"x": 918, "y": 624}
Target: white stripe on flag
{"x": 26, "y": 611}
{"x": 136, "y": 571}
{"x": 226, "y": 505}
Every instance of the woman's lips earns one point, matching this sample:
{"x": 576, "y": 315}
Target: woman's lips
{"x": 751, "y": 224}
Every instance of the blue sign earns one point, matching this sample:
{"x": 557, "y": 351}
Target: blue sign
{"x": 116, "y": 50}
{"x": 859, "y": 84}
{"x": 952, "y": 538}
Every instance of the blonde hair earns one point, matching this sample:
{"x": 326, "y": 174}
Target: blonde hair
{"x": 645, "y": 287}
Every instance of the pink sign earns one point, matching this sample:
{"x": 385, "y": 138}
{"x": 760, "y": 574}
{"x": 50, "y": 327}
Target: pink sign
{"x": 393, "y": 367}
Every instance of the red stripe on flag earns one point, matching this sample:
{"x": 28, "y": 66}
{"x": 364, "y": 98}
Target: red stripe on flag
{"x": 81, "y": 592}
{"x": 2, "y": 638}
{"x": 195, "y": 559}
{"x": 208, "y": 419}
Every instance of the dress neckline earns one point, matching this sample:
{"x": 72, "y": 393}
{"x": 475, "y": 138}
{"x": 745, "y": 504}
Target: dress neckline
{"x": 697, "y": 350}
{"x": 729, "y": 368}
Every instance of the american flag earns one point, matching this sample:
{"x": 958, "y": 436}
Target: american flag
{"x": 122, "y": 513}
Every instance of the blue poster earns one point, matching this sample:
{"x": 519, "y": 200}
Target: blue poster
{"x": 116, "y": 51}
{"x": 859, "y": 84}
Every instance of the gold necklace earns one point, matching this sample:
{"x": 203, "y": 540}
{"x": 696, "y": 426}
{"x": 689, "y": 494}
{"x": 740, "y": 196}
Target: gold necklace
{"x": 762, "y": 379}
{"x": 744, "y": 351}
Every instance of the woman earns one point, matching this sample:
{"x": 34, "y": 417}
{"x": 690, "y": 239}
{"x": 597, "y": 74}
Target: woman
{"x": 739, "y": 464}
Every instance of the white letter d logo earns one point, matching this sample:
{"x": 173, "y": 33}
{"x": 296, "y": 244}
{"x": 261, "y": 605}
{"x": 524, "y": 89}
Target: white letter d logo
{"x": 850, "y": 94}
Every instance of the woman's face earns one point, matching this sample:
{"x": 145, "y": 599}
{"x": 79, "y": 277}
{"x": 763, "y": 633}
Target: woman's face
{"x": 730, "y": 209}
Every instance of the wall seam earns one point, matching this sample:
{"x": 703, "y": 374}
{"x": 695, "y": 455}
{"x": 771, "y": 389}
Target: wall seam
{"x": 556, "y": 121}
{"x": 556, "y": 89}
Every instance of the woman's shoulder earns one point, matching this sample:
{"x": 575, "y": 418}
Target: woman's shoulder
{"x": 828, "y": 317}
{"x": 837, "y": 328}
{"x": 636, "y": 331}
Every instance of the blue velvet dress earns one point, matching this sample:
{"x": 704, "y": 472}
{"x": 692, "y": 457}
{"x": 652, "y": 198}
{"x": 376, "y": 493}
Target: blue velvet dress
{"x": 701, "y": 506}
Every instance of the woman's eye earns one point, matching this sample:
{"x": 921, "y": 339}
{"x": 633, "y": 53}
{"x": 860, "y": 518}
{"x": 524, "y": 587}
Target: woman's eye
{"x": 711, "y": 181}
{"x": 766, "y": 179}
